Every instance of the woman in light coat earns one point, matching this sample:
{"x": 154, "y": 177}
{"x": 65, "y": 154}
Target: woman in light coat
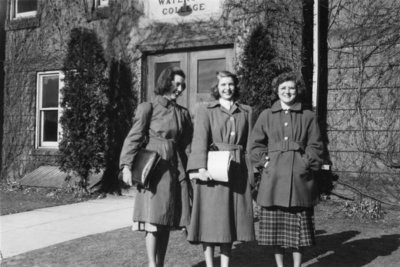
{"x": 222, "y": 211}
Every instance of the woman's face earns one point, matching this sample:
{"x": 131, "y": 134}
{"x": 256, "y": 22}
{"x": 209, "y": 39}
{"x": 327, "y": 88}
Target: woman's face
{"x": 226, "y": 88}
{"x": 287, "y": 92}
{"x": 178, "y": 86}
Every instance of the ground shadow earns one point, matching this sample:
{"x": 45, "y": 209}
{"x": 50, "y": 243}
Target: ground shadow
{"x": 250, "y": 254}
{"x": 333, "y": 251}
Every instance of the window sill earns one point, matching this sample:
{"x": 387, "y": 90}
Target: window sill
{"x": 46, "y": 151}
{"x": 22, "y": 23}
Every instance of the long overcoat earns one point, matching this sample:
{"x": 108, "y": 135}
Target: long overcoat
{"x": 292, "y": 141}
{"x": 222, "y": 212}
{"x": 170, "y": 132}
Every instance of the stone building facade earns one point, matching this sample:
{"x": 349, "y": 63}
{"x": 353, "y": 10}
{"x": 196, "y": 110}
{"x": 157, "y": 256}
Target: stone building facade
{"x": 356, "y": 91}
{"x": 201, "y": 36}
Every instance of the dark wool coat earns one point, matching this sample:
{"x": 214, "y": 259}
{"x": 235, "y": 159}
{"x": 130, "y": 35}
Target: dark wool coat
{"x": 222, "y": 212}
{"x": 167, "y": 201}
{"x": 292, "y": 141}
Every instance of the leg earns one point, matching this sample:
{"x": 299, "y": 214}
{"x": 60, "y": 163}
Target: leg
{"x": 162, "y": 244}
{"x": 208, "y": 249}
{"x": 151, "y": 247}
{"x": 278, "y": 251}
{"x": 226, "y": 249}
{"x": 297, "y": 257}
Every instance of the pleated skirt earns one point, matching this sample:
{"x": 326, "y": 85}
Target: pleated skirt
{"x": 286, "y": 227}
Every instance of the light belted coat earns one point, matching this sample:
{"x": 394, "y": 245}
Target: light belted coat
{"x": 292, "y": 140}
{"x": 222, "y": 212}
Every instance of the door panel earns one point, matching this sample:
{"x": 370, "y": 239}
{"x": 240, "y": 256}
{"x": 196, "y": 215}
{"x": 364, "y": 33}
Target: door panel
{"x": 156, "y": 64}
{"x": 200, "y": 68}
{"x": 204, "y": 66}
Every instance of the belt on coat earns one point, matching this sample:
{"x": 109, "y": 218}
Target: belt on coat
{"x": 236, "y": 150}
{"x": 286, "y": 145}
{"x": 159, "y": 139}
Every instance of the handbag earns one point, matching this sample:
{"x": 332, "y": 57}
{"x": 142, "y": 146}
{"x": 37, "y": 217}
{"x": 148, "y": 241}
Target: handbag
{"x": 145, "y": 160}
{"x": 218, "y": 163}
{"x": 143, "y": 165}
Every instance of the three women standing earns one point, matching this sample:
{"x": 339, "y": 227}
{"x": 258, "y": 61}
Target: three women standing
{"x": 286, "y": 143}
{"x": 168, "y": 129}
{"x": 222, "y": 211}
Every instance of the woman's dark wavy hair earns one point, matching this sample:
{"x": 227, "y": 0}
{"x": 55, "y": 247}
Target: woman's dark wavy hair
{"x": 164, "y": 81}
{"x": 222, "y": 74}
{"x": 289, "y": 76}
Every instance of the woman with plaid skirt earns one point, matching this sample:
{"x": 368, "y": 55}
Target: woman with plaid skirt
{"x": 286, "y": 144}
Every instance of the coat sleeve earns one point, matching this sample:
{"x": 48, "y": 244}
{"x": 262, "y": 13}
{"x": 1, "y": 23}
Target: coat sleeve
{"x": 259, "y": 142}
{"x": 314, "y": 147}
{"x": 186, "y": 137}
{"x": 200, "y": 142}
{"x": 136, "y": 135}
{"x": 250, "y": 119}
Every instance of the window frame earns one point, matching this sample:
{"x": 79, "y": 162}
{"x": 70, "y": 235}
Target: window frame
{"x": 102, "y": 3}
{"x": 21, "y": 15}
{"x": 39, "y": 110}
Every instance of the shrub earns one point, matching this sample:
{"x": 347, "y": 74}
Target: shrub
{"x": 85, "y": 102}
{"x": 260, "y": 64}
{"x": 364, "y": 209}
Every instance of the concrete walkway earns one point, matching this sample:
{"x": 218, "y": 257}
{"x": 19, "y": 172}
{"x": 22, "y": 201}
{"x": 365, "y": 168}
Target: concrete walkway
{"x": 40, "y": 228}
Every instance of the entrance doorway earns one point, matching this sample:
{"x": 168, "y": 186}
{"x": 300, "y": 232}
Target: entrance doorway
{"x": 200, "y": 68}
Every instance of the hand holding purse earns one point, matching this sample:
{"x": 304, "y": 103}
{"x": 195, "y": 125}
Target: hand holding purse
{"x": 143, "y": 165}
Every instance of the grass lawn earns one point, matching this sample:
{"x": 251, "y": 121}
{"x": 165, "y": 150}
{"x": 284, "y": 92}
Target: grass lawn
{"x": 14, "y": 199}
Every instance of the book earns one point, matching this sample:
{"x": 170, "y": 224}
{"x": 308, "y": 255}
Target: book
{"x": 218, "y": 163}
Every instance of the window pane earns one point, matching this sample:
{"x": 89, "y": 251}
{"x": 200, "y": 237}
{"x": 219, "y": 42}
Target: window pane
{"x": 159, "y": 67}
{"x": 50, "y": 124}
{"x": 103, "y": 2}
{"x": 50, "y": 91}
{"x": 26, "y": 5}
{"x": 206, "y": 72}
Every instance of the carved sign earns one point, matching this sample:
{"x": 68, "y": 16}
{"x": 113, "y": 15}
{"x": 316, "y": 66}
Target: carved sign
{"x": 182, "y": 9}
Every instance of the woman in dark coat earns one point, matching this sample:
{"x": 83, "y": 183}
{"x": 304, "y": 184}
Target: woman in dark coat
{"x": 286, "y": 143}
{"x": 222, "y": 211}
{"x": 165, "y": 205}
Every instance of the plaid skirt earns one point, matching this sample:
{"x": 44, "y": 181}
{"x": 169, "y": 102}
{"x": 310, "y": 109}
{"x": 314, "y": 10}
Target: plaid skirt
{"x": 286, "y": 227}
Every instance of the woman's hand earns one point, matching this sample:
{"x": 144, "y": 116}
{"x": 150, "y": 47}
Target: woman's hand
{"x": 204, "y": 175}
{"x": 127, "y": 175}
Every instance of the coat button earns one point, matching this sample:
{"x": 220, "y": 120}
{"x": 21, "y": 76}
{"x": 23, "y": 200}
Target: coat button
{"x": 233, "y": 133}
{"x": 286, "y": 124}
{"x": 232, "y": 118}
{"x": 286, "y": 111}
{"x": 286, "y": 138}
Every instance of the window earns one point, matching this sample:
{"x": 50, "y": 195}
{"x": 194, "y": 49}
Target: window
{"x": 101, "y": 3}
{"x": 24, "y": 8}
{"x": 48, "y": 109}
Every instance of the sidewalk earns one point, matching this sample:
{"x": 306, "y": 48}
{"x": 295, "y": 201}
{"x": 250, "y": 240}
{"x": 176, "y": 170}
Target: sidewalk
{"x": 40, "y": 228}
